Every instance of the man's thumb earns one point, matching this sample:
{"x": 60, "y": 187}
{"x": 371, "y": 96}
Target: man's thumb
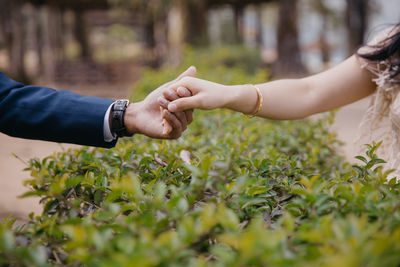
{"x": 191, "y": 71}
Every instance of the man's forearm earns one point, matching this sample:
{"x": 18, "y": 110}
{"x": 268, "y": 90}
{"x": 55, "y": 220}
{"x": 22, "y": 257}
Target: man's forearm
{"x": 36, "y": 112}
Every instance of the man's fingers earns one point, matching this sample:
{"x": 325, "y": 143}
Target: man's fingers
{"x": 183, "y": 119}
{"x": 167, "y": 128}
{"x": 163, "y": 102}
{"x": 184, "y": 103}
{"x": 191, "y": 71}
{"x": 170, "y": 95}
{"x": 189, "y": 116}
{"x": 174, "y": 123}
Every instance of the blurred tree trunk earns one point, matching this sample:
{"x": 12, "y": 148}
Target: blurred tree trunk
{"x": 196, "y": 22}
{"x": 17, "y": 56}
{"x": 156, "y": 39}
{"x": 324, "y": 46}
{"x": 6, "y": 24}
{"x": 238, "y": 9}
{"x": 289, "y": 55}
{"x": 149, "y": 33}
{"x": 150, "y": 41}
{"x": 259, "y": 27}
{"x": 356, "y": 21}
{"x": 13, "y": 29}
{"x": 176, "y": 31}
{"x": 39, "y": 39}
{"x": 50, "y": 43}
{"x": 326, "y": 14}
{"x": 82, "y": 34}
{"x": 161, "y": 40}
{"x": 59, "y": 37}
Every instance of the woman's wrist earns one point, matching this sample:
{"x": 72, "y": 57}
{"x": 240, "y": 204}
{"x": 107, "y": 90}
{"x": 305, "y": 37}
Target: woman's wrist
{"x": 242, "y": 98}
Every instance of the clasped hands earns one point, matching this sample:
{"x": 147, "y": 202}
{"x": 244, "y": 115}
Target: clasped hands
{"x": 167, "y": 111}
{"x": 149, "y": 118}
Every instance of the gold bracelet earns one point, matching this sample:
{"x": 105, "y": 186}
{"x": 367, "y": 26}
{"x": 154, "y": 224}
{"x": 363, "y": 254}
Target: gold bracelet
{"x": 260, "y": 102}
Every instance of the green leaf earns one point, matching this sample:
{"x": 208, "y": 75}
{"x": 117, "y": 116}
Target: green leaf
{"x": 7, "y": 240}
{"x": 38, "y": 255}
{"x": 362, "y": 159}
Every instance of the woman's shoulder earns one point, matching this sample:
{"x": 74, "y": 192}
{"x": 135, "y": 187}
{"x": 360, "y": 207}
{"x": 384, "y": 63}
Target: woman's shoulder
{"x": 374, "y": 58}
{"x": 379, "y": 39}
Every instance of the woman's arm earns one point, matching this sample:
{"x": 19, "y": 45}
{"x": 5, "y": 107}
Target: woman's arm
{"x": 283, "y": 99}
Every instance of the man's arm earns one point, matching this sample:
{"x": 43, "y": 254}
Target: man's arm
{"x": 36, "y": 112}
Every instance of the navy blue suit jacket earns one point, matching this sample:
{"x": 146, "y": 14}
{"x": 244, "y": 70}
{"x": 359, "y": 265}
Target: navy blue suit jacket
{"x": 36, "y": 112}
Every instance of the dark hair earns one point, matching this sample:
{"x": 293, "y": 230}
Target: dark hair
{"x": 387, "y": 49}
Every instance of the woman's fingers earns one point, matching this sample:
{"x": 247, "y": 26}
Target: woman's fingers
{"x": 184, "y": 100}
{"x": 194, "y": 85}
{"x": 185, "y": 103}
{"x": 183, "y": 92}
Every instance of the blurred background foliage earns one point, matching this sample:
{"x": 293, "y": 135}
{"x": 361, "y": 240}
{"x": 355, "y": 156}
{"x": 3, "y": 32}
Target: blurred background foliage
{"x": 48, "y": 39}
{"x": 227, "y": 65}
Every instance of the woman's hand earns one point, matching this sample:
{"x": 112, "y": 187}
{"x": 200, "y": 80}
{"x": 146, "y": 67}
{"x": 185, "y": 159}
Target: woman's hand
{"x": 190, "y": 93}
{"x": 203, "y": 95}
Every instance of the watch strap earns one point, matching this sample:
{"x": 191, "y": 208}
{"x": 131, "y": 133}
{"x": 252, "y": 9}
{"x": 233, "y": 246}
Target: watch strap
{"x": 117, "y": 118}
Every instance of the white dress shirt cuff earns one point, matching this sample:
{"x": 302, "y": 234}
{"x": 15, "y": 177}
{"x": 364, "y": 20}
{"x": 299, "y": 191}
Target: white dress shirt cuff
{"x": 108, "y": 135}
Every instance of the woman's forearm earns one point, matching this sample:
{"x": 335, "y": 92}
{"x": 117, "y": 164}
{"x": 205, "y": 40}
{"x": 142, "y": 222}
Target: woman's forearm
{"x": 299, "y": 98}
{"x": 282, "y": 99}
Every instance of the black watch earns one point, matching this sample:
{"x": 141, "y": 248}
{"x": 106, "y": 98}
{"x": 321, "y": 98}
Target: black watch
{"x": 117, "y": 118}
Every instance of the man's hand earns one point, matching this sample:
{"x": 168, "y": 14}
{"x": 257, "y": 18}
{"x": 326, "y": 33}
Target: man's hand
{"x": 149, "y": 118}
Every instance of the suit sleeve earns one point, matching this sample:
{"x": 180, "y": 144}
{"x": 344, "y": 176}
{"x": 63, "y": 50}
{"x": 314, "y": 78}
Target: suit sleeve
{"x": 42, "y": 113}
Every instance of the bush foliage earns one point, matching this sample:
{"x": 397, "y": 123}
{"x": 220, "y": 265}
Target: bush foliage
{"x": 232, "y": 191}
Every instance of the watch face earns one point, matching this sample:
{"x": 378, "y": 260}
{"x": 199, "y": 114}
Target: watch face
{"x": 121, "y": 105}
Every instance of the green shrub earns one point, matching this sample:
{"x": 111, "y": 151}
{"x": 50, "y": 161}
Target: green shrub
{"x": 232, "y": 191}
